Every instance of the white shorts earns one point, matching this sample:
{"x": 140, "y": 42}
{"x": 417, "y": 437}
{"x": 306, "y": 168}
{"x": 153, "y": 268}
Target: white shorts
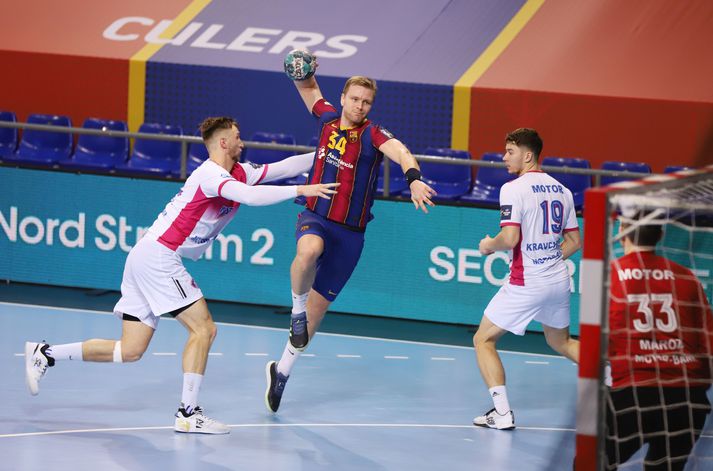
{"x": 514, "y": 307}
{"x": 155, "y": 282}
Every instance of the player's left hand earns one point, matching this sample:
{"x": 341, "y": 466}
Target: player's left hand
{"x": 421, "y": 195}
{"x": 483, "y": 246}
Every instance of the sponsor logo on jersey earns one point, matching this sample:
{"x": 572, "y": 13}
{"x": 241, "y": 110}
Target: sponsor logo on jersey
{"x": 304, "y": 228}
{"x": 224, "y": 210}
{"x": 505, "y": 212}
{"x": 337, "y": 162}
{"x": 386, "y": 133}
{"x": 254, "y": 165}
{"x": 321, "y": 152}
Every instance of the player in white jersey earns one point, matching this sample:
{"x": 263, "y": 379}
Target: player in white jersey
{"x": 536, "y": 213}
{"x": 155, "y": 282}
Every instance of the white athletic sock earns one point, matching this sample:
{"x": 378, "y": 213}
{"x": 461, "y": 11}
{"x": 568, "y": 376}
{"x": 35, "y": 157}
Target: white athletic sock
{"x": 500, "y": 399}
{"x": 191, "y": 386}
{"x": 289, "y": 357}
{"x": 66, "y": 351}
{"x": 299, "y": 302}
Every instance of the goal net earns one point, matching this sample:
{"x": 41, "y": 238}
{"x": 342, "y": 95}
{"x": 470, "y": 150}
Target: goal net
{"x": 646, "y": 328}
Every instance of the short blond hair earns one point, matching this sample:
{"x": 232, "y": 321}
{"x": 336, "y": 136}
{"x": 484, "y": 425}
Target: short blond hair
{"x": 361, "y": 81}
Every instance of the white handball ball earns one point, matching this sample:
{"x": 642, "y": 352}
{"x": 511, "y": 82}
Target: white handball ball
{"x": 300, "y": 64}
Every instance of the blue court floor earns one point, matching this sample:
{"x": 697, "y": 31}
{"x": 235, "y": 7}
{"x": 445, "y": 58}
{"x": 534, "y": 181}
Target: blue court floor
{"x": 352, "y": 403}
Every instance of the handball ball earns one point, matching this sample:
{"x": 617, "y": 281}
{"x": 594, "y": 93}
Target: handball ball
{"x": 300, "y": 65}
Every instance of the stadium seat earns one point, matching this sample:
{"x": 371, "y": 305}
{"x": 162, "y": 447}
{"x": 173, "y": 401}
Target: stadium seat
{"x": 488, "y": 181}
{"x": 44, "y": 147}
{"x": 267, "y": 156}
{"x": 97, "y": 152}
{"x": 197, "y": 154}
{"x": 397, "y": 180}
{"x": 676, "y": 168}
{"x": 450, "y": 181}
{"x": 638, "y": 167}
{"x": 154, "y": 157}
{"x": 8, "y": 136}
{"x": 577, "y": 184}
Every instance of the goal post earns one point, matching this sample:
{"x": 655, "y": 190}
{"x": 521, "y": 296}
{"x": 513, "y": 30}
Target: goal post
{"x": 683, "y": 205}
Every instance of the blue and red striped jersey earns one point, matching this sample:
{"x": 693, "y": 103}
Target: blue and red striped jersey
{"x": 350, "y": 157}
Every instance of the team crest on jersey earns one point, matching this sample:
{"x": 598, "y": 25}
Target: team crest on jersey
{"x": 386, "y": 133}
{"x": 353, "y": 136}
{"x": 505, "y": 212}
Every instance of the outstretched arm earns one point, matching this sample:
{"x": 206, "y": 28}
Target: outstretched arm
{"x": 421, "y": 193}
{"x": 289, "y": 167}
{"x": 309, "y": 91}
{"x": 271, "y": 194}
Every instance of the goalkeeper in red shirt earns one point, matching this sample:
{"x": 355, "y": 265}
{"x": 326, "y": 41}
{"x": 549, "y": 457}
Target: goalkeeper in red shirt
{"x": 660, "y": 348}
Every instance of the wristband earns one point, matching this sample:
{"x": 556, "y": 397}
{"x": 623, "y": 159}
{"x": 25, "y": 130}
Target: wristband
{"x": 412, "y": 175}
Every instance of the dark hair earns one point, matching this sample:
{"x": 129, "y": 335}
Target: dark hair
{"x": 644, "y": 235}
{"x": 526, "y": 137}
{"x": 210, "y": 125}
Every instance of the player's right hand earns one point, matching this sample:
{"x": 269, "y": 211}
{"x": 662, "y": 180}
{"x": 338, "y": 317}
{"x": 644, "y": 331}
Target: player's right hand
{"x": 323, "y": 190}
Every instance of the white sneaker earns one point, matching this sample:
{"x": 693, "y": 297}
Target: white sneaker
{"x": 197, "y": 422}
{"x": 492, "y": 419}
{"x": 36, "y": 364}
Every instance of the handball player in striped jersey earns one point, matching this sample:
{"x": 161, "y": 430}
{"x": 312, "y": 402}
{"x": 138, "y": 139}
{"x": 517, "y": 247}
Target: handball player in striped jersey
{"x": 330, "y": 236}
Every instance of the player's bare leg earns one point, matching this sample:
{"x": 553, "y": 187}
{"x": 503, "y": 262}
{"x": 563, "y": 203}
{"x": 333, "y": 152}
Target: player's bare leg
{"x": 493, "y": 372}
{"x": 135, "y": 339}
{"x": 560, "y": 341}
{"x": 197, "y": 320}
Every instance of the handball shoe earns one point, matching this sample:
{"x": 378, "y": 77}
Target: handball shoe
{"x": 299, "y": 337}
{"x": 492, "y": 419}
{"x": 275, "y": 386}
{"x": 197, "y": 422}
{"x": 36, "y": 364}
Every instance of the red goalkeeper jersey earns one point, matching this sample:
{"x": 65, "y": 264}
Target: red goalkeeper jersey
{"x": 661, "y": 326}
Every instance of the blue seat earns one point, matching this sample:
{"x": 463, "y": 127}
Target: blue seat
{"x": 397, "y": 180}
{"x": 488, "y": 181}
{"x": 638, "y": 167}
{"x": 577, "y": 184}
{"x": 8, "y": 136}
{"x": 676, "y": 168}
{"x": 154, "y": 157}
{"x": 97, "y": 152}
{"x": 197, "y": 154}
{"x": 450, "y": 181}
{"x": 267, "y": 156}
{"x": 44, "y": 147}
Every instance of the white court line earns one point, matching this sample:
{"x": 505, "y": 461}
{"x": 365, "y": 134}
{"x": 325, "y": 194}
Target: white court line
{"x": 164, "y": 354}
{"x": 19, "y": 354}
{"x": 537, "y": 362}
{"x": 258, "y": 327}
{"x": 340, "y": 355}
{"x": 442, "y": 359}
{"x": 308, "y": 355}
{"x": 169, "y": 427}
{"x": 215, "y": 354}
{"x": 256, "y": 354}
{"x": 395, "y": 357}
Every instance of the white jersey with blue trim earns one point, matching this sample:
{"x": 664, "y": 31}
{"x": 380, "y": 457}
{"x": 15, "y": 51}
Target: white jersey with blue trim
{"x": 543, "y": 209}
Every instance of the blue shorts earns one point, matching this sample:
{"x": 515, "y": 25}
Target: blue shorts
{"x": 342, "y": 249}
